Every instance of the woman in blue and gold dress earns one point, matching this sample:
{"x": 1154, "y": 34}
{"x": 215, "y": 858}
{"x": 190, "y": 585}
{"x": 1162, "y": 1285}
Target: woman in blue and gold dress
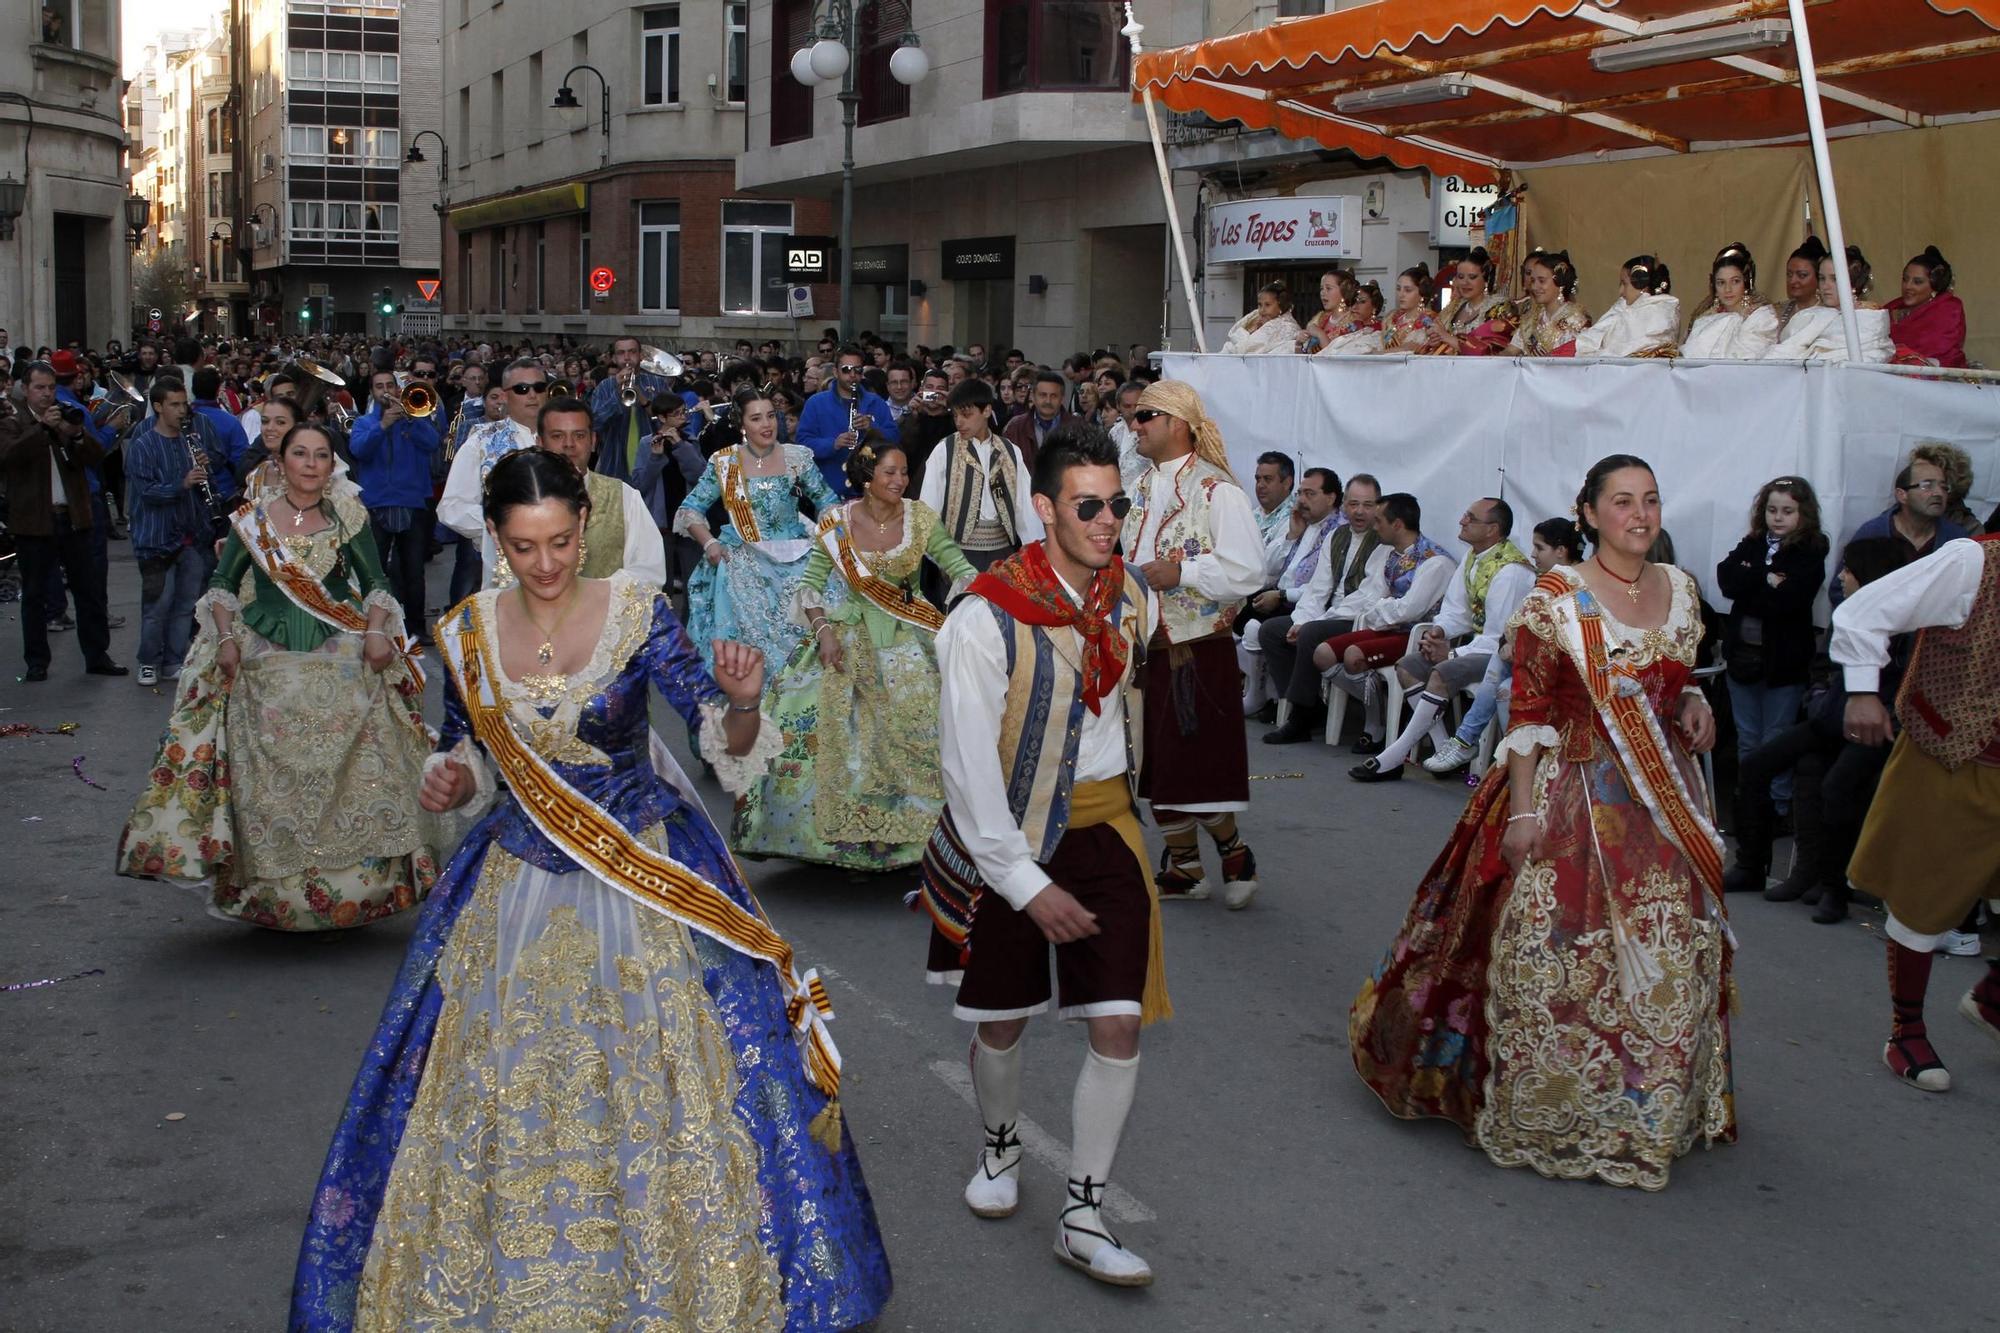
{"x": 743, "y": 588}
{"x": 601, "y": 1097}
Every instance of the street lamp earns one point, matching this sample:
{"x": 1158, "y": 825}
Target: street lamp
{"x": 566, "y": 101}
{"x": 831, "y": 57}
{"x": 416, "y": 154}
{"x": 13, "y": 199}
{"x": 259, "y": 237}
{"x": 138, "y": 211}
{"x": 217, "y": 234}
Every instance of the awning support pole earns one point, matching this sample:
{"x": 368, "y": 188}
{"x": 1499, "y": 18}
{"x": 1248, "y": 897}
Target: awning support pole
{"x": 1823, "y": 162}
{"x": 1133, "y": 28}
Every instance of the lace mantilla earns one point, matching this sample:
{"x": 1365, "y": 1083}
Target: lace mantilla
{"x": 553, "y": 734}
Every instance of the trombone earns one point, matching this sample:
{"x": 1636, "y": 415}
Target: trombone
{"x": 418, "y": 398}
{"x": 654, "y": 361}
{"x": 561, "y": 389}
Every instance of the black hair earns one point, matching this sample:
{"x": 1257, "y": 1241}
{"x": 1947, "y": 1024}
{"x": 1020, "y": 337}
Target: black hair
{"x": 1373, "y": 291}
{"x": 1860, "y": 273}
{"x": 1593, "y": 486}
{"x": 565, "y": 406}
{"x": 528, "y": 477}
{"x": 1484, "y": 261}
{"x": 1055, "y": 377}
{"x": 1869, "y": 558}
{"x": 1503, "y": 514}
{"x": 1649, "y": 274}
{"x": 748, "y": 394}
{"x": 853, "y": 350}
{"x": 970, "y": 392}
{"x": 1328, "y": 479}
{"x": 300, "y": 427}
{"x": 666, "y": 403}
{"x": 162, "y": 384}
{"x": 1812, "y": 250}
{"x": 207, "y": 382}
{"x": 1558, "y": 264}
{"x": 1563, "y": 536}
{"x": 1278, "y": 289}
{"x": 1420, "y": 274}
{"x": 1402, "y": 507}
{"x": 1282, "y": 462}
{"x": 1071, "y": 444}
{"x": 1936, "y": 267}
{"x": 1359, "y": 478}
{"x": 864, "y": 458}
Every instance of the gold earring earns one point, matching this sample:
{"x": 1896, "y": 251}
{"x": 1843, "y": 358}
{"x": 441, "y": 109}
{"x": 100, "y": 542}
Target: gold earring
{"x": 503, "y": 574}
{"x": 582, "y": 553}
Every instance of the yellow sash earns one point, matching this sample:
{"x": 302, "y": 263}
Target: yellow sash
{"x": 890, "y": 598}
{"x": 588, "y": 835}
{"x": 1109, "y": 801}
{"x": 304, "y": 589}
{"x": 736, "y": 496}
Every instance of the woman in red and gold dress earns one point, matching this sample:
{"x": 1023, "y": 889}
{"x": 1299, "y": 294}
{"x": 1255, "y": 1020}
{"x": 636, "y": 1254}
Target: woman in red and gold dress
{"x": 1560, "y": 987}
{"x": 1553, "y": 319}
{"x": 1927, "y": 321}
{"x": 1480, "y": 322}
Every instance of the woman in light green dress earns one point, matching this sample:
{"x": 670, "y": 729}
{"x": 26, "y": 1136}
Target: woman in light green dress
{"x": 858, "y": 783}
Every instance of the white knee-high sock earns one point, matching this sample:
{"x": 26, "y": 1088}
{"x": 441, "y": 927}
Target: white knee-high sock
{"x": 1423, "y": 717}
{"x": 996, "y": 1081}
{"x": 1104, "y": 1089}
{"x": 1255, "y": 691}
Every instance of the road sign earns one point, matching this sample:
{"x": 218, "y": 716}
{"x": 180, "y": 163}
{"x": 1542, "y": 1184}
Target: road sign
{"x": 428, "y": 288}
{"x": 152, "y": 324}
{"x": 810, "y": 258}
{"x": 602, "y": 279}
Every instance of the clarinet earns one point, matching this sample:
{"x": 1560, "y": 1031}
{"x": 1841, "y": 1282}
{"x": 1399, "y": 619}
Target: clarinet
{"x": 194, "y": 461}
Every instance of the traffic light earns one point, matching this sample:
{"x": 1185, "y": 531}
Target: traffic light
{"x": 306, "y": 313}
{"x": 387, "y": 302}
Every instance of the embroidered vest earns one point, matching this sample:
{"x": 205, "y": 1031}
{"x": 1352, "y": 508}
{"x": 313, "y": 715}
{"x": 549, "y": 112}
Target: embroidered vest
{"x": 1336, "y": 551}
{"x": 497, "y": 439}
{"x": 1042, "y": 723}
{"x": 1402, "y": 570}
{"x": 1184, "y": 533}
{"x": 1314, "y": 540}
{"x": 1479, "y": 572}
{"x": 1950, "y": 703}
{"x": 604, "y": 532}
{"x": 966, "y": 482}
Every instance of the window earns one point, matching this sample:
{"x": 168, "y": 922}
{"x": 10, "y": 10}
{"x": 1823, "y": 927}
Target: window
{"x": 1044, "y": 44}
{"x": 878, "y": 35}
{"x": 736, "y": 58}
{"x": 660, "y": 36}
{"x": 465, "y": 269}
{"x": 214, "y": 195}
{"x": 379, "y": 73}
{"x": 330, "y": 69}
{"x": 541, "y": 287}
{"x": 659, "y": 258}
{"x": 791, "y": 101}
{"x": 583, "y": 292}
{"x": 308, "y": 221}
{"x": 307, "y": 143}
{"x": 214, "y": 132}
{"x": 59, "y": 23}
{"x": 753, "y": 257}
{"x": 496, "y": 129}
{"x": 343, "y": 145}
{"x": 382, "y": 148}
{"x": 496, "y": 272}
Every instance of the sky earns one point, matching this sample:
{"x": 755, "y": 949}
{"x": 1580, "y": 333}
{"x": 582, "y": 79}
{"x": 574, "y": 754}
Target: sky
{"x": 144, "y": 18}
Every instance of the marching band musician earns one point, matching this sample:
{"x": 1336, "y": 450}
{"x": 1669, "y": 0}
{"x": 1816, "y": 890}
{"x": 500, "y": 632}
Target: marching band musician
{"x": 620, "y": 408}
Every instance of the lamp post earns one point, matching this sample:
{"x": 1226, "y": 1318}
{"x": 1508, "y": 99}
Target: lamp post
{"x": 258, "y": 237}
{"x": 13, "y": 199}
{"x": 832, "y": 57}
{"x": 416, "y": 154}
{"x": 566, "y": 101}
{"x": 138, "y": 211}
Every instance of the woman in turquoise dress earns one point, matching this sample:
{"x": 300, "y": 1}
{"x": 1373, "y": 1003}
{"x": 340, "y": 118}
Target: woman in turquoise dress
{"x": 743, "y": 588}
{"x": 601, "y": 1096}
{"x": 858, "y": 783}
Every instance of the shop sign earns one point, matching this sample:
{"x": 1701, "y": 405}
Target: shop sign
{"x": 979, "y": 257}
{"x": 882, "y": 265}
{"x": 1458, "y": 208}
{"x": 1313, "y": 226}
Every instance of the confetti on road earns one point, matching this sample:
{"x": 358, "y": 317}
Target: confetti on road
{"x": 30, "y": 729}
{"x": 1274, "y": 777}
{"x": 53, "y": 981}
{"x": 83, "y": 777}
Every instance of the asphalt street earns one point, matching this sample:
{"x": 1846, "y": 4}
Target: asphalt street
{"x": 163, "y": 1120}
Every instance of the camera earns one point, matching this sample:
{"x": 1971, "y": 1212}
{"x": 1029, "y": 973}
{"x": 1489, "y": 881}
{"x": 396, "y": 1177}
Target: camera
{"x": 930, "y": 396}
{"x": 71, "y": 413}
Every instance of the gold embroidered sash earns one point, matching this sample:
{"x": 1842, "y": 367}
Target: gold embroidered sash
{"x": 890, "y": 598}
{"x": 736, "y": 496}
{"x": 588, "y": 835}
{"x": 304, "y": 589}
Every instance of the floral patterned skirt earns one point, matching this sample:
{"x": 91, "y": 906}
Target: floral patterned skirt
{"x": 1502, "y": 1005}
{"x": 287, "y": 798}
{"x": 858, "y": 783}
{"x": 748, "y": 599}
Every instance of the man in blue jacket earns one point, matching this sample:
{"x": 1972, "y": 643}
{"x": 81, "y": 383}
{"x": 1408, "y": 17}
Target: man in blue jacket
{"x": 625, "y": 434}
{"x": 826, "y": 426}
{"x": 392, "y": 466}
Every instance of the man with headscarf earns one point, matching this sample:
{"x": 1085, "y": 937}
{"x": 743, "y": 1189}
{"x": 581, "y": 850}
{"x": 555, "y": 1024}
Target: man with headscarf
{"x": 1193, "y": 536}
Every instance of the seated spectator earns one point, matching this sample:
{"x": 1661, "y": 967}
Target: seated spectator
{"x": 1351, "y": 553}
{"x": 1735, "y": 322}
{"x": 1272, "y": 481}
{"x": 1413, "y": 326}
{"x": 1645, "y": 318}
{"x": 1407, "y": 578}
{"x": 1915, "y": 524}
{"x": 1772, "y": 579}
{"x": 1361, "y": 335}
{"x": 1550, "y": 325}
{"x": 1556, "y": 542}
{"x": 1478, "y": 603}
{"x": 1266, "y": 331}
{"x": 1818, "y": 333}
{"x": 1290, "y": 560}
{"x": 1927, "y": 322}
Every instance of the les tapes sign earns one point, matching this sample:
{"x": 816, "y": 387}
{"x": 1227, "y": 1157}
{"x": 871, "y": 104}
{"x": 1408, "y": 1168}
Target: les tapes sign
{"x": 1248, "y": 231}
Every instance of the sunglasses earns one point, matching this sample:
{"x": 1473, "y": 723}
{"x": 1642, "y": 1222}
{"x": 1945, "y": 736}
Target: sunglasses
{"x": 527, "y": 387}
{"x": 1088, "y": 510}
{"x": 1147, "y": 414}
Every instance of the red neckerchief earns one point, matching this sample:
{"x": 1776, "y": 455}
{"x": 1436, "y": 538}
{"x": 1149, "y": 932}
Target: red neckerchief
{"x": 1025, "y": 586}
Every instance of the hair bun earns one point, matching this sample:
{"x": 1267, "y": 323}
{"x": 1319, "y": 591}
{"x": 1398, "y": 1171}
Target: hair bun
{"x": 1933, "y": 254}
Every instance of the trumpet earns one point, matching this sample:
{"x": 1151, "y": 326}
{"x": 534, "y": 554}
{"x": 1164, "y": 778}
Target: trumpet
{"x": 561, "y": 389}
{"x": 418, "y": 400}
{"x": 654, "y": 361}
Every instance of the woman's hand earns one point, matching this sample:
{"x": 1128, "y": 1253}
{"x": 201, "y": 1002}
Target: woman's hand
{"x": 712, "y": 552}
{"x": 739, "y": 670}
{"x": 228, "y": 660}
{"x": 831, "y": 655}
{"x": 377, "y": 652}
{"x": 1697, "y": 724}
{"x": 446, "y": 787}
{"x": 1524, "y": 841}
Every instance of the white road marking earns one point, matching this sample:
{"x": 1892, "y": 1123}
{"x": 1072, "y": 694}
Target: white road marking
{"x": 1044, "y": 1147}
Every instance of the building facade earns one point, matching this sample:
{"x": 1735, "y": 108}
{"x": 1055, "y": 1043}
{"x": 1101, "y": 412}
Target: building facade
{"x": 65, "y": 261}
{"x": 1010, "y": 197}
{"x": 328, "y": 214}
{"x": 540, "y": 197}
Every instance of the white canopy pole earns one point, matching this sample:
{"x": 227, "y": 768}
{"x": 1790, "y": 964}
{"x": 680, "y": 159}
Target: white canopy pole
{"x": 1823, "y": 161}
{"x": 1131, "y": 31}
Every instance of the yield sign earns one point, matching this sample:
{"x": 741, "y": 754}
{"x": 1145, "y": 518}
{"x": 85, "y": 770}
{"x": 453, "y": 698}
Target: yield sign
{"x": 428, "y": 288}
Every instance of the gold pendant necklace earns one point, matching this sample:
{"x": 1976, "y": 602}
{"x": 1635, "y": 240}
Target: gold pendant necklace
{"x": 547, "y": 652}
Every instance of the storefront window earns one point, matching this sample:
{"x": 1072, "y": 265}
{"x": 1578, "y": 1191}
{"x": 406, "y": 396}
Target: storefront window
{"x": 753, "y": 257}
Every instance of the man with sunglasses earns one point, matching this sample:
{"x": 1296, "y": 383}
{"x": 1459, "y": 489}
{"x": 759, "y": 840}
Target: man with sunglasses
{"x": 1040, "y": 845}
{"x": 827, "y": 425}
{"x": 978, "y": 482}
{"x": 525, "y": 384}
{"x": 1193, "y": 536}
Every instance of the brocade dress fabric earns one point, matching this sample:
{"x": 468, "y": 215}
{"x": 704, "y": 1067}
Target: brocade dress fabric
{"x": 1504, "y": 1004}
{"x": 577, "y": 1114}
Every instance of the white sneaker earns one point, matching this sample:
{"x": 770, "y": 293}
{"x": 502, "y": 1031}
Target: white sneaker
{"x": 1453, "y": 755}
{"x": 1087, "y": 1245}
{"x": 995, "y": 1190}
{"x": 1960, "y": 943}
{"x": 149, "y": 676}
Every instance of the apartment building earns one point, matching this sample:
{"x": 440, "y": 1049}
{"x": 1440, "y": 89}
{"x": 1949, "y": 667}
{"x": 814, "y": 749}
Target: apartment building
{"x": 65, "y": 261}
{"x": 329, "y": 213}
{"x": 638, "y": 177}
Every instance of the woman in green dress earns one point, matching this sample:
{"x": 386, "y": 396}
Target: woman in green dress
{"x": 285, "y": 790}
{"x": 858, "y": 783}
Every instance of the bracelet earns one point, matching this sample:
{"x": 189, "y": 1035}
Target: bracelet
{"x": 822, "y": 625}
{"x": 366, "y": 633}
{"x": 226, "y": 638}
{"x": 712, "y": 541}
{"x": 755, "y": 706}
{"x": 1532, "y": 814}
